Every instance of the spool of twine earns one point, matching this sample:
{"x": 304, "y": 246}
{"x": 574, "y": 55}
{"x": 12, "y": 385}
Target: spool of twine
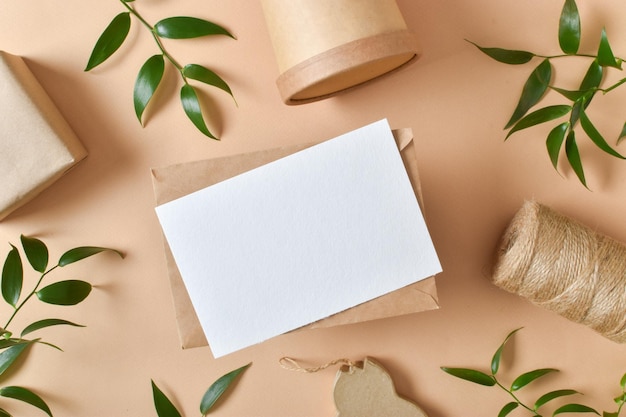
{"x": 565, "y": 267}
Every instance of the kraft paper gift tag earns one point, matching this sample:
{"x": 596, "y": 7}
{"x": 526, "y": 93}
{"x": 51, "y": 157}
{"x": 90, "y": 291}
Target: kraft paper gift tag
{"x": 178, "y": 180}
{"x": 37, "y": 146}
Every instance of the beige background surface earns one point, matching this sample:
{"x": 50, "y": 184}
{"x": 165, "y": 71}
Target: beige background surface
{"x": 455, "y": 99}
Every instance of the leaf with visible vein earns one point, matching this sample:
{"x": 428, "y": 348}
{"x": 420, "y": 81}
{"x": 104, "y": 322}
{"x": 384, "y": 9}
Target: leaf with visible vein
{"x": 471, "y": 375}
{"x": 47, "y": 323}
{"x": 191, "y": 105}
{"x": 574, "y": 408}
{"x": 36, "y": 253}
{"x": 111, "y": 39}
{"x": 495, "y": 360}
{"x": 544, "y": 399}
{"x": 147, "y": 81}
{"x": 528, "y": 377}
{"x": 82, "y": 252}
{"x": 569, "y": 28}
{"x": 10, "y": 355}
{"x": 542, "y": 115}
{"x": 506, "y": 56}
{"x": 205, "y": 75}
{"x": 605, "y": 53}
{"x": 66, "y": 293}
{"x": 533, "y": 90}
{"x": 164, "y": 407}
{"x": 506, "y": 410}
{"x": 12, "y": 277}
{"x": 184, "y": 27}
{"x": 218, "y": 388}
{"x": 554, "y": 142}
{"x": 27, "y": 396}
{"x": 596, "y": 137}
{"x": 573, "y": 157}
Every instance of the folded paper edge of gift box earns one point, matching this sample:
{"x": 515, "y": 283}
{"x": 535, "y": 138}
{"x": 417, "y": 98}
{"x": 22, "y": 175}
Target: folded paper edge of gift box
{"x": 174, "y": 181}
{"x": 54, "y": 147}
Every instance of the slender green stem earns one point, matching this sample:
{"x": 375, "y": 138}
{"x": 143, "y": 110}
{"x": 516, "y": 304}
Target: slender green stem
{"x": 156, "y": 39}
{"x": 614, "y": 86}
{"x": 19, "y": 307}
{"x": 517, "y": 400}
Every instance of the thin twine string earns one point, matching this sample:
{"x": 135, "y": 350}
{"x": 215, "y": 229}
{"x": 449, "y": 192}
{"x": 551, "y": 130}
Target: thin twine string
{"x": 565, "y": 267}
{"x": 291, "y": 364}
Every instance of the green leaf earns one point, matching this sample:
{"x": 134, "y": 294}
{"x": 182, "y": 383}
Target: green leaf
{"x": 162, "y": 404}
{"x": 622, "y": 382}
{"x": 4, "y": 413}
{"x": 569, "y": 28}
{"x": 10, "y": 355}
{"x": 573, "y": 156}
{"x": 540, "y": 116}
{"x": 574, "y": 408}
{"x": 593, "y": 76}
{"x": 147, "y": 81}
{"x": 110, "y": 40}
{"x": 607, "y": 414}
{"x": 495, "y": 360}
{"x": 554, "y": 142}
{"x": 191, "y": 105}
{"x": 553, "y": 395}
{"x": 36, "y": 253}
{"x": 183, "y": 27}
{"x": 218, "y": 388}
{"x": 506, "y": 56}
{"x": 66, "y": 293}
{"x": 205, "y": 75}
{"x": 5, "y": 343}
{"x": 471, "y": 375}
{"x": 622, "y": 134}
{"x": 528, "y": 377}
{"x": 77, "y": 254}
{"x": 620, "y": 398}
{"x": 595, "y": 136}
{"x": 12, "y": 277}
{"x": 533, "y": 90}
{"x": 570, "y": 94}
{"x": 47, "y": 323}
{"x": 605, "y": 53}
{"x": 27, "y": 396}
{"x": 506, "y": 410}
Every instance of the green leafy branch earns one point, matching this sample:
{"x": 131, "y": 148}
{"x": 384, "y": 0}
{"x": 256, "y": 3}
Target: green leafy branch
{"x": 65, "y": 293}
{"x": 575, "y": 111}
{"x": 491, "y": 379}
{"x": 151, "y": 73}
{"x": 165, "y": 408}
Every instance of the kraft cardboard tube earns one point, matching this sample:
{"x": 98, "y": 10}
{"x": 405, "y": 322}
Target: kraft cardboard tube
{"x": 323, "y": 47}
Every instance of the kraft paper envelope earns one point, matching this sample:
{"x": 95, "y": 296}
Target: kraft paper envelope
{"x": 178, "y": 180}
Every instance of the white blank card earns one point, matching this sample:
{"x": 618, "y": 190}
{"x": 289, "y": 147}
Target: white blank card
{"x": 299, "y": 239}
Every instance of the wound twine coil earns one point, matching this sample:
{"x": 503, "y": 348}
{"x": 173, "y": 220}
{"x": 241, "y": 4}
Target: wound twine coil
{"x": 565, "y": 267}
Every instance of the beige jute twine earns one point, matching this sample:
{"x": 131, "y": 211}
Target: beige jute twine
{"x": 565, "y": 267}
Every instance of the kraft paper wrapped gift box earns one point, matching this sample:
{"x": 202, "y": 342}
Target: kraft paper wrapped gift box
{"x": 37, "y": 146}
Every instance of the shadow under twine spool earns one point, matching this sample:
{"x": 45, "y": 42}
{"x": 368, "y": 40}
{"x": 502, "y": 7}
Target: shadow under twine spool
{"x": 565, "y": 267}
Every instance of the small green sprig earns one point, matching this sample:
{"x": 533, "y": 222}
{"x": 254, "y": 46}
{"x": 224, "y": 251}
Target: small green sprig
{"x": 151, "y": 73}
{"x": 65, "y": 293}
{"x": 165, "y": 408}
{"x": 491, "y": 379}
{"x": 575, "y": 113}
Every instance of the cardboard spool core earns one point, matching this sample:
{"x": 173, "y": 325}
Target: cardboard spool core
{"x": 323, "y": 47}
{"x": 346, "y": 66}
